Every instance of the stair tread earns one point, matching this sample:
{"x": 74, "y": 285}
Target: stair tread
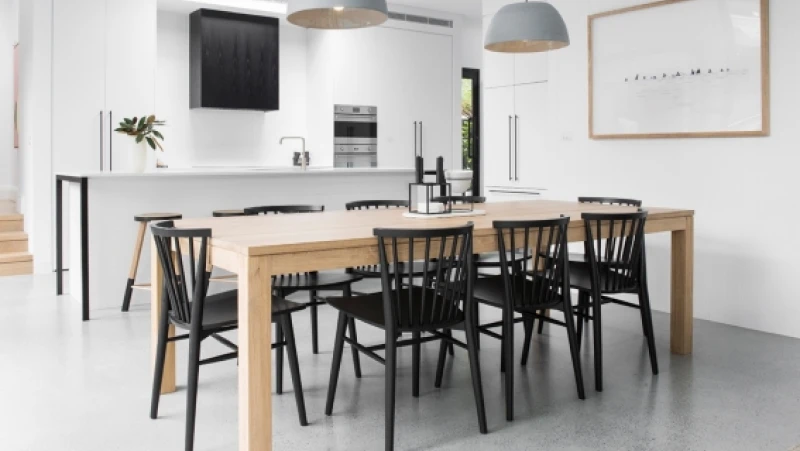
{"x": 13, "y": 236}
{"x": 16, "y": 257}
{"x": 14, "y": 217}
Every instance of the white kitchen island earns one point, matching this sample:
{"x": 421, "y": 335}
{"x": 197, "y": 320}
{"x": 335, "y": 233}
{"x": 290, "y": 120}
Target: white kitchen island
{"x": 97, "y": 242}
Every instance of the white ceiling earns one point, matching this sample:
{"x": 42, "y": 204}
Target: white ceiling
{"x": 465, "y": 7}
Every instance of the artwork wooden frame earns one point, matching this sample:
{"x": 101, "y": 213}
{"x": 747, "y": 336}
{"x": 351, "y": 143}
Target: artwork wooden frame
{"x": 759, "y": 128}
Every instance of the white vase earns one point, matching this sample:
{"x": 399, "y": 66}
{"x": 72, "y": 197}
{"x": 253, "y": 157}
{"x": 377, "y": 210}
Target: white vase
{"x": 137, "y": 157}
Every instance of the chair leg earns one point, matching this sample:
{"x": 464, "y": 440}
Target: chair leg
{"x": 161, "y": 352}
{"x": 503, "y": 348}
{"x": 312, "y": 297}
{"x": 415, "y": 358}
{"x": 191, "y": 392}
{"x": 574, "y": 350}
{"x": 338, "y": 349}
{"x": 294, "y": 368}
{"x": 647, "y": 316}
{"x": 475, "y": 369}
{"x": 508, "y": 353}
{"x": 351, "y": 325}
{"x": 582, "y": 316}
{"x": 526, "y": 347}
{"x": 477, "y": 333}
{"x": 279, "y": 337}
{"x": 443, "y": 347}
{"x": 598, "y": 340}
{"x": 390, "y": 383}
{"x": 137, "y": 253}
{"x": 541, "y": 322}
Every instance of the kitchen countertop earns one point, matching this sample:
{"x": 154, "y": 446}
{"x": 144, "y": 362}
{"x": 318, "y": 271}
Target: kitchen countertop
{"x": 239, "y": 171}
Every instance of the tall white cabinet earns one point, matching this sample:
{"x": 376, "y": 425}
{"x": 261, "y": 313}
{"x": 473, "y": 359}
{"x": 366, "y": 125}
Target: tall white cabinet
{"x": 514, "y": 118}
{"x": 104, "y": 61}
{"x": 408, "y": 74}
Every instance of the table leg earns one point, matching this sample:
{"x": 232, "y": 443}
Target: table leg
{"x": 681, "y": 324}
{"x": 255, "y": 356}
{"x": 156, "y": 304}
{"x": 85, "y": 248}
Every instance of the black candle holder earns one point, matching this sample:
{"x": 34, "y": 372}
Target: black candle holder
{"x": 430, "y": 198}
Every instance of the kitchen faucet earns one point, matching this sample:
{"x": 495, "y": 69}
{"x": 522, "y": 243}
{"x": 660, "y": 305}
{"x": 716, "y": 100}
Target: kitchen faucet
{"x": 302, "y": 153}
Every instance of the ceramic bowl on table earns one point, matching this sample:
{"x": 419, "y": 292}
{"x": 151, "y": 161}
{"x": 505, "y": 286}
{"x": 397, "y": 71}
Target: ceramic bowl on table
{"x": 459, "y": 180}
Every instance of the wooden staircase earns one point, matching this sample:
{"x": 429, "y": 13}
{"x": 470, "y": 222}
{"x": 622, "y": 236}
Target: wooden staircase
{"x": 14, "y": 256}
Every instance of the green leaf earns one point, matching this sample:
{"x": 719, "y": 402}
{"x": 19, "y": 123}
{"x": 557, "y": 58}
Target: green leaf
{"x": 128, "y": 121}
{"x": 158, "y": 135}
{"x": 152, "y": 144}
{"x": 139, "y": 138}
{"x": 141, "y": 122}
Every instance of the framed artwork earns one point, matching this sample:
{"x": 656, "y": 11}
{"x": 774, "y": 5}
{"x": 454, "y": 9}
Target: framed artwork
{"x": 680, "y": 69}
{"x": 16, "y": 95}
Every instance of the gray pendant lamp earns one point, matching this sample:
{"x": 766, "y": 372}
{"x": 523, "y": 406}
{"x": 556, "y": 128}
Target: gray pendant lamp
{"x": 525, "y": 28}
{"x": 337, "y": 14}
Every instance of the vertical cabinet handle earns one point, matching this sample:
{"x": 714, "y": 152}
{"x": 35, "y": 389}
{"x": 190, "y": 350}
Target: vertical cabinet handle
{"x": 516, "y": 148}
{"x": 110, "y": 141}
{"x": 101, "y": 141}
{"x": 510, "y": 143}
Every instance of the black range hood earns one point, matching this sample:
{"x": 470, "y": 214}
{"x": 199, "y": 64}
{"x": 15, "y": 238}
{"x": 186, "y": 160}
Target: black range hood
{"x": 234, "y": 61}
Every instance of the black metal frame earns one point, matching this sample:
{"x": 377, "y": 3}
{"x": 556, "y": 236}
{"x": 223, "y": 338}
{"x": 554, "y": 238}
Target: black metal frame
{"x": 84, "y": 186}
{"x": 475, "y": 76}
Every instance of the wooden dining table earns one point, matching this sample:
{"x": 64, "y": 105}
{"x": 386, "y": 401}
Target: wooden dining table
{"x": 256, "y": 248}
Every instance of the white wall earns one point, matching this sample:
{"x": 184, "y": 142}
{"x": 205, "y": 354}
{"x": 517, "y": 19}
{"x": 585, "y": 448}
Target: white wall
{"x": 743, "y": 190}
{"x": 204, "y": 137}
{"x": 9, "y": 18}
{"x": 35, "y": 157}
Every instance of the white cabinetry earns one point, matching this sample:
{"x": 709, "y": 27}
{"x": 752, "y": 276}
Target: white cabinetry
{"x": 514, "y": 118}
{"x": 506, "y": 69}
{"x": 104, "y": 59}
{"x": 409, "y": 75}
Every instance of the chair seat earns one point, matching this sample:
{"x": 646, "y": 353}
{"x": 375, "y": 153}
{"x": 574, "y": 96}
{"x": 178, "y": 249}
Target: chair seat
{"x": 369, "y": 308}
{"x": 580, "y": 278}
{"x": 491, "y": 291}
{"x": 492, "y": 259}
{"x": 148, "y": 217}
{"x": 374, "y": 271}
{"x": 221, "y": 310}
{"x": 313, "y": 281}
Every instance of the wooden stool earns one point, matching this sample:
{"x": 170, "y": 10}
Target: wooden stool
{"x": 228, "y": 213}
{"x": 143, "y": 220}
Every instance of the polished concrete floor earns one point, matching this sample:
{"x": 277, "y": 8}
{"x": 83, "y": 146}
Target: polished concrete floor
{"x": 68, "y": 385}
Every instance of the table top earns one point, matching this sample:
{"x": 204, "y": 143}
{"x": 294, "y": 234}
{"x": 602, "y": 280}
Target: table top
{"x": 277, "y": 234}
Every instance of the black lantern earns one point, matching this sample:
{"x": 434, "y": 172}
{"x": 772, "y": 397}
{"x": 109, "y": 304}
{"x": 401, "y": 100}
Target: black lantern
{"x": 430, "y": 198}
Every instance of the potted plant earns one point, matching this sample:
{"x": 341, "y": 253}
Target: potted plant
{"x": 146, "y": 134}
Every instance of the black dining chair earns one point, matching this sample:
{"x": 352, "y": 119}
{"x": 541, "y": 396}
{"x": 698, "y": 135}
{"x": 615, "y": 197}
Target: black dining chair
{"x": 188, "y": 307}
{"x": 285, "y": 285}
{"x": 374, "y": 271}
{"x": 615, "y": 247}
{"x": 439, "y": 302}
{"x": 535, "y": 279}
{"x": 576, "y": 258}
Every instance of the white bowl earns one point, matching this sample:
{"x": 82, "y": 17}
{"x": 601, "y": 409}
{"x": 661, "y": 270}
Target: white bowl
{"x": 458, "y": 174}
